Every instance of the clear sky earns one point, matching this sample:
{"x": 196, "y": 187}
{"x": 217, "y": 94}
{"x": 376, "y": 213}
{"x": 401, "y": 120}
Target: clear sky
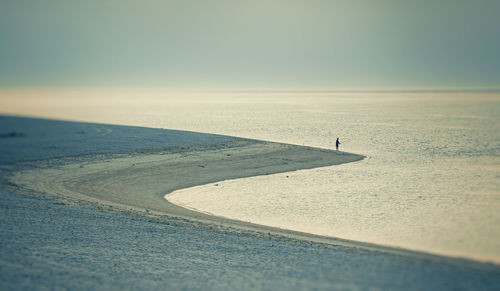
{"x": 310, "y": 44}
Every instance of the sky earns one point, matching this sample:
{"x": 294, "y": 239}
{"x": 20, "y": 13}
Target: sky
{"x": 273, "y": 44}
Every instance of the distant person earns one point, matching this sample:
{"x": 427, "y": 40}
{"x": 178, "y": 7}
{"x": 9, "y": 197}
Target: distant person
{"x": 337, "y": 142}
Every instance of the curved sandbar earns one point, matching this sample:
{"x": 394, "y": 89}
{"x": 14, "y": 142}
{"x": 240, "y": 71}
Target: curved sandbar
{"x": 132, "y": 168}
{"x": 141, "y": 181}
{"x": 129, "y": 169}
{"x": 137, "y": 183}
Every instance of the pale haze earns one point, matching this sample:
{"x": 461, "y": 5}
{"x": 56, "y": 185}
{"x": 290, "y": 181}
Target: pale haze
{"x": 332, "y": 45}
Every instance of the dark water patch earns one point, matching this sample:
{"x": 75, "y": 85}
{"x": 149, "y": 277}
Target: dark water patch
{"x": 46, "y": 139}
{"x": 11, "y": 134}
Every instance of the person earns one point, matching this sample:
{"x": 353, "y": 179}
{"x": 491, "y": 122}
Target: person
{"x": 337, "y": 143}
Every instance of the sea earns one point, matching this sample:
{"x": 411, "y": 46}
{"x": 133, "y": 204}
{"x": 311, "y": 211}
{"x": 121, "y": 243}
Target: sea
{"x": 430, "y": 180}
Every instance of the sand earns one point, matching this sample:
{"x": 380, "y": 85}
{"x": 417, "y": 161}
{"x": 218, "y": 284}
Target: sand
{"x": 78, "y": 168}
{"x": 139, "y": 182}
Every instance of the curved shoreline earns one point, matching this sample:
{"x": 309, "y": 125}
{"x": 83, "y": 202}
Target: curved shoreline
{"x": 137, "y": 184}
{"x": 128, "y": 170}
{"x": 141, "y": 181}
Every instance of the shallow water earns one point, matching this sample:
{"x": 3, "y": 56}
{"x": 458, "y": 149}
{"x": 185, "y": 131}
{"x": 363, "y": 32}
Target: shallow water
{"x": 430, "y": 182}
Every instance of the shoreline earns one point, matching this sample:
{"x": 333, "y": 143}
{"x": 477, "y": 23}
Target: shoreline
{"x": 60, "y": 183}
{"x": 109, "y": 180}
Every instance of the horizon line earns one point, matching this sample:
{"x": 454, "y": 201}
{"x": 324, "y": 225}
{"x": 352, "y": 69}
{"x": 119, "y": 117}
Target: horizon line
{"x": 263, "y": 90}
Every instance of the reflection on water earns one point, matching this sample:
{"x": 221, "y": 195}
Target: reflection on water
{"x": 431, "y": 181}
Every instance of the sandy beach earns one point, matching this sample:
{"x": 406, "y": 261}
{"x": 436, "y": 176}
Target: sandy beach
{"x": 127, "y": 170}
{"x": 140, "y": 182}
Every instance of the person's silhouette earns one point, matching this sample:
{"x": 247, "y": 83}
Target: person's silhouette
{"x": 337, "y": 142}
